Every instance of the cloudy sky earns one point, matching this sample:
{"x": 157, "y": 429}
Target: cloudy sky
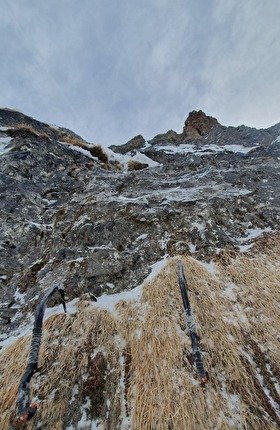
{"x": 112, "y": 69}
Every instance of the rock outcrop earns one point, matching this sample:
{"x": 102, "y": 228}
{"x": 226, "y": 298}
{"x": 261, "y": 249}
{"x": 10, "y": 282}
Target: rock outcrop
{"x": 198, "y": 124}
{"x": 134, "y": 144}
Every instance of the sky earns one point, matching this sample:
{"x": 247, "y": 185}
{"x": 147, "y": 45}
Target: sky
{"x": 110, "y": 70}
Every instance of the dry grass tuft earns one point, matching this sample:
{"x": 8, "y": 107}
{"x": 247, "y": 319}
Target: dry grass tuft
{"x": 139, "y": 360}
{"x": 74, "y": 140}
{"x": 136, "y": 165}
{"x": 95, "y": 150}
{"x": 25, "y": 130}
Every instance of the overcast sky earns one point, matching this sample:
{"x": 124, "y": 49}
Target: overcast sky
{"x": 112, "y": 69}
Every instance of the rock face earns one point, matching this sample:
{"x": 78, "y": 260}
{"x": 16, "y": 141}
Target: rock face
{"x": 198, "y": 124}
{"x": 74, "y": 217}
{"x": 67, "y": 216}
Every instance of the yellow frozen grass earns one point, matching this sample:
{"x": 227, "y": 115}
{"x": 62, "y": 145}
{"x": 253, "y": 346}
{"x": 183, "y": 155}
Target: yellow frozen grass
{"x": 148, "y": 356}
{"x": 163, "y": 390}
{"x": 95, "y": 150}
{"x": 28, "y": 128}
{"x": 67, "y": 355}
{"x": 255, "y": 290}
{"x": 136, "y": 165}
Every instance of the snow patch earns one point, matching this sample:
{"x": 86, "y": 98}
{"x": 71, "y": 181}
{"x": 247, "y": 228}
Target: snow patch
{"x": 79, "y": 149}
{"x": 136, "y": 156}
{"x": 4, "y": 142}
{"x": 261, "y": 381}
{"x": 108, "y": 301}
{"x": 49, "y": 202}
{"x": 210, "y": 267}
{"x": 76, "y": 260}
{"x": 163, "y": 242}
{"x": 85, "y": 423}
{"x": 156, "y": 268}
{"x": 98, "y": 247}
{"x": 274, "y": 380}
{"x": 229, "y": 292}
{"x": 75, "y": 392}
{"x": 142, "y": 237}
{"x": 277, "y": 140}
{"x": 7, "y": 340}
{"x": 19, "y": 297}
{"x": 203, "y": 150}
{"x": 192, "y": 247}
{"x": 251, "y": 234}
{"x": 233, "y": 403}
{"x": 41, "y": 226}
{"x": 34, "y": 263}
{"x": 81, "y": 220}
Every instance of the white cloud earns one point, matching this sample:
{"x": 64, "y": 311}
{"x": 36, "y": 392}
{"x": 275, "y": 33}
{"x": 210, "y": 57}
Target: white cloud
{"x": 111, "y": 70}
{"x": 241, "y": 71}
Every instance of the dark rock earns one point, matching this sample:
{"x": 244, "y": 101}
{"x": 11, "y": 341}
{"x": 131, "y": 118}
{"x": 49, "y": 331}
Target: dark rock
{"x": 135, "y": 144}
{"x": 170, "y": 137}
{"x": 20, "y": 123}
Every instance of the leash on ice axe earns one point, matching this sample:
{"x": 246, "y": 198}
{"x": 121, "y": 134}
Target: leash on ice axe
{"x": 203, "y": 375}
{"x": 27, "y": 410}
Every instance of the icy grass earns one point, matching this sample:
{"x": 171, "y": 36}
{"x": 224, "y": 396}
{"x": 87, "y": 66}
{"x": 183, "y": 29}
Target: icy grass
{"x": 149, "y": 381}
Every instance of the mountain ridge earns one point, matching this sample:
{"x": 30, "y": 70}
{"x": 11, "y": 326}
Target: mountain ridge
{"x": 97, "y": 221}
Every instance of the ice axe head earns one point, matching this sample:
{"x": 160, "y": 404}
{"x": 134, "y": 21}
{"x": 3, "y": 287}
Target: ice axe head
{"x": 31, "y": 411}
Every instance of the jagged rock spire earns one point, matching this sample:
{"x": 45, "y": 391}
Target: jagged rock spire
{"x": 198, "y": 124}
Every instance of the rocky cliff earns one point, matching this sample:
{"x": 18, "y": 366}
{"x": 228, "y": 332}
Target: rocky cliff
{"x": 97, "y": 221}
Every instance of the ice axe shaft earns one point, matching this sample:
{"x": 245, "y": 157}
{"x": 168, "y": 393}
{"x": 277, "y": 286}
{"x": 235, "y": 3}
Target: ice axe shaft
{"x": 191, "y": 326}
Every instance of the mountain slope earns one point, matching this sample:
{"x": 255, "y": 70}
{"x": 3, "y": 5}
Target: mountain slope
{"x": 132, "y": 366}
{"x": 74, "y": 217}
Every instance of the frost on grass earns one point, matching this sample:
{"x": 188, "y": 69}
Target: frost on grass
{"x": 126, "y": 361}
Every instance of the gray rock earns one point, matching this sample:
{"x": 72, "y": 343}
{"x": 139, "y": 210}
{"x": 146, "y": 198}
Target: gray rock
{"x": 66, "y": 220}
{"x": 134, "y": 144}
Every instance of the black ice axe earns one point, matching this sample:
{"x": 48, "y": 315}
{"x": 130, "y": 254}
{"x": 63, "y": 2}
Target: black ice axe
{"x": 203, "y": 375}
{"x": 27, "y": 410}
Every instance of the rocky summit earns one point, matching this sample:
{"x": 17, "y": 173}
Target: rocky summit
{"x": 96, "y": 221}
